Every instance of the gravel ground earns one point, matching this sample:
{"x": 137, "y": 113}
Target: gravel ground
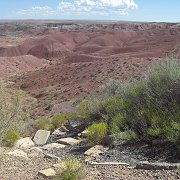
{"x": 16, "y": 168}
{"x": 27, "y": 169}
{"x": 125, "y": 173}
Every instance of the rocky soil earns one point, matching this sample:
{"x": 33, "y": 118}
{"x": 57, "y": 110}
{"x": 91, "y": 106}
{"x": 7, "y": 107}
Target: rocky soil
{"x": 26, "y": 169}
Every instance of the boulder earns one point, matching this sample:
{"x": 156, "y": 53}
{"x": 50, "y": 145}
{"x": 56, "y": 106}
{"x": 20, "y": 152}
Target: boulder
{"x": 68, "y": 141}
{"x": 41, "y": 137}
{"x": 75, "y": 125}
{"x": 94, "y": 151}
{"x": 18, "y": 153}
{"x": 24, "y": 143}
{"x": 47, "y": 173}
{"x": 156, "y": 166}
{"x": 60, "y": 131}
{"x": 53, "y": 146}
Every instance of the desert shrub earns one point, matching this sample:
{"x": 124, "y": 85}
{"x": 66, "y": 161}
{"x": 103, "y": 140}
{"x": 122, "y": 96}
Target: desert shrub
{"x": 149, "y": 108}
{"x": 59, "y": 120}
{"x": 10, "y": 137}
{"x": 75, "y": 170}
{"x": 97, "y": 132}
{"x": 124, "y": 137}
{"x": 90, "y": 110}
{"x": 13, "y": 112}
{"x": 118, "y": 124}
{"x": 111, "y": 88}
{"x": 44, "y": 123}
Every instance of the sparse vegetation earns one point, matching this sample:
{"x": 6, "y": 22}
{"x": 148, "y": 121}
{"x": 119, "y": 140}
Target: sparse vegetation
{"x": 59, "y": 120}
{"x": 75, "y": 170}
{"x": 149, "y": 108}
{"x": 10, "y": 137}
{"x": 52, "y": 123}
{"x": 44, "y": 123}
{"x": 14, "y": 114}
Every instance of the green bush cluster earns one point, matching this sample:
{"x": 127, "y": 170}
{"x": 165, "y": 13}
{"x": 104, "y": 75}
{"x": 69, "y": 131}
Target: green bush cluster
{"x": 150, "y": 107}
{"x": 97, "y": 132}
{"x": 50, "y": 124}
{"x": 74, "y": 170}
{"x": 11, "y": 136}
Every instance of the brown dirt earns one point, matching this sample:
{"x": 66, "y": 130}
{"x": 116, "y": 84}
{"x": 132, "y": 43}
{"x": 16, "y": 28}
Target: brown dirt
{"x": 13, "y": 65}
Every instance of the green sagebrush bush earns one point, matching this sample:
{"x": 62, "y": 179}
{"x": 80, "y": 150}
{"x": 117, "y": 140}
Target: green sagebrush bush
{"x": 97, "y": 132}
{"x": 44, "y": 123}
{"x": 59, "y": 120}
{"x": 74, "y": 170}
{"x": 52, "y": 123}
{"x": 10, "y": 137}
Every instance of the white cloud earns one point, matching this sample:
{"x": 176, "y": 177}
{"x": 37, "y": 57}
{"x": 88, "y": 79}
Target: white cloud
{"x": 37, "y": 11}
{"x": 83, "y": 8}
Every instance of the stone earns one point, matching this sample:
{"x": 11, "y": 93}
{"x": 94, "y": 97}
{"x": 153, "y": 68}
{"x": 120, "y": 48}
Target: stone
{"x": 60, "y": 167}
{"x": 24, "y": 143}
{"x": 109, "y": 163}
{"x": 53, "y": 146}
{"x": 156, "y": 166}
{"x": 18, "y": 153}
{"x": 94, "y": 151}
{"x": 68, "y": 141}
{"x": 75, "y": 125}
{"x": 41, "y": 137}
{"x": 59, "y": 132}
{"x": 47, "y": 173}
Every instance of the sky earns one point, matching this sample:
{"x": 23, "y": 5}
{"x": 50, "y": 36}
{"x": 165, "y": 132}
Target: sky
{"x": 118, "y": 10}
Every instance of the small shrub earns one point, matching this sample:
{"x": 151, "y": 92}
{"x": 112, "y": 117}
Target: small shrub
{"x": 44, "y": 123}
{"x": 59, "y": 120}
{"x": 14, "y": 113}
{"x": 97, "y": 132}
{"x": 75, "y": 170}
{"x": 11, "y": 136}
{"x": 90, "y": 110}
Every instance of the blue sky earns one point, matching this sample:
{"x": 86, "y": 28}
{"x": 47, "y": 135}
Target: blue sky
{"x": 130, "y": 10}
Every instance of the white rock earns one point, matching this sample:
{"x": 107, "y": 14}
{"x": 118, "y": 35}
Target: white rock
{"x": 47, "y": 173}
{"x": 18, "y": 153}
{"x": 41, "y": 137}
{"x": 68, "y": 141}
{"x": 94, "y": 151}
{"x": 24, "y": 143}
